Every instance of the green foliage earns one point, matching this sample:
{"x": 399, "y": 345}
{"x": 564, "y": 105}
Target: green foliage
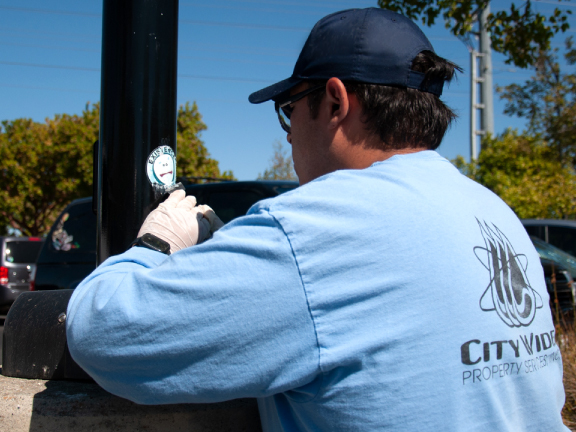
{"x": 46, "y": 165}
{"x": 548, "y": 102}
{"x": 193, "y": 159}
{"x": 520, "y": 32}
{"x": 526, "y": 174}
{"x": 281, "y": 166}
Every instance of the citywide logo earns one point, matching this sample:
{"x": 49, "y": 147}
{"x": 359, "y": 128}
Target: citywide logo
{"x": 509, "y": 293}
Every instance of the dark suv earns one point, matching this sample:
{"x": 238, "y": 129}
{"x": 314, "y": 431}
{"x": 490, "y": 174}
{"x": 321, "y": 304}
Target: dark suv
{"x": 17, "y": 258}
{"x": 563, "y": 266}
{"x": 558, "y": 232}
{"x": 69, "y": 253}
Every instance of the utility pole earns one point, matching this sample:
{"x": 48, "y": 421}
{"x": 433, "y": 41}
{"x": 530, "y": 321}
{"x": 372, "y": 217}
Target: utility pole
{"x": 474, "y": 105}
{"x": 137, "y": 113}
{"x": 486, "y": 73}
{"x": 481, "y": 75}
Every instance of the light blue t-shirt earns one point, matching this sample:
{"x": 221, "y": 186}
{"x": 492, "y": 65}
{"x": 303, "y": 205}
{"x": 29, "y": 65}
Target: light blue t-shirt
{"x": 402, "y": 297}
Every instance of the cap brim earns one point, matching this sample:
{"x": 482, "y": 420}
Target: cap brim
{"x": 274, "y": 90}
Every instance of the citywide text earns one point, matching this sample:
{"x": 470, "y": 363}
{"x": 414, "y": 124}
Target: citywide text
{"x": 541, "y": 348}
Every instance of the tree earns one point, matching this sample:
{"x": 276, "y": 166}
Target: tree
{"x": 548, "y": 102}
{"x": 193, "y": 159}
{"x": 520, "y": 32}
{"x": 46, "y": 165}
{"x": 525, "y": 172}
{"x": 281, "y": 166}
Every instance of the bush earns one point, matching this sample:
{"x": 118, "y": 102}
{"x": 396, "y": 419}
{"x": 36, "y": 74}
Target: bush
{"x": 566, "y": 335}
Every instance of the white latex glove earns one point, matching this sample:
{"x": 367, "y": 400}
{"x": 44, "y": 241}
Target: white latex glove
{"x": 179, "y": 221}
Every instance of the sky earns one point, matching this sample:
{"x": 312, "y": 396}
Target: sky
{"x": 50, "y": 55}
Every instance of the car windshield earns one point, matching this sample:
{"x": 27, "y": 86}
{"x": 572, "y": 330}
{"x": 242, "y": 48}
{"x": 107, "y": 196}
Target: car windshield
{"x": 547, "y": 251}
{"x": 75, "y": 231}
{"x": 229, "y": 205}
{"x": 22, "y": 251}
{"x": 284, "y": 188}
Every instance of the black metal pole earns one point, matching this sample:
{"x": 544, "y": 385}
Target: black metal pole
{"x": 137, "y": 112}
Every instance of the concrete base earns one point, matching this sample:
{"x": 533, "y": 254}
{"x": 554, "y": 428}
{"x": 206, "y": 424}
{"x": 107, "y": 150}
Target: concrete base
{"x": 66, "y": 406}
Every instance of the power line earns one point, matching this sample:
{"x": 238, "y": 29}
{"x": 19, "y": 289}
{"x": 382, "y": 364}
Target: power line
{"x": 232, "y": 79}
{"x": 268, "y": 2}
{"x": 211, "y": 6}
{"x": 193, "y": 22}
{"x": 51, "y": 11}
{"x": 44, "y": 32}
{"x": 187, "y": 76}
{"x": 50, "y": 66}
{"x": 203, "y": 77}
{"x": 257, "y": 50}
{"x": 50, "y": 88}
{"x": 456, "y": 94}
{"x": 77, "y": 39}
{"x": 242, "y": 25}
{"x": 49, "y": 47}
{"x": 242, "y": 48}
{"x": 228, "y": 60}
{"x": 58, "y": 89}
{"x": 444, "y": 38}
{"x": 556, "y": 3}
{"x": 244, "y": 101}
{"x": 236, "y": 51}
{"x": 24, "y": 64}
{"x": 183, "y": 46}
{"x": 330, "y": 3}
{"x": 97, "y": 38}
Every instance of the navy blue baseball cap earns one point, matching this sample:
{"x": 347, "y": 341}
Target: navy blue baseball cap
{"x": 372, "y": 45}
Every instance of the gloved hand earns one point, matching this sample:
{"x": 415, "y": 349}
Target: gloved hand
{"x": 215, "y": 222}
{"x": 180, "y": 222}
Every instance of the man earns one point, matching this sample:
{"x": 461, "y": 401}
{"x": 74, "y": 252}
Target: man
{"x": 388, "y": 292}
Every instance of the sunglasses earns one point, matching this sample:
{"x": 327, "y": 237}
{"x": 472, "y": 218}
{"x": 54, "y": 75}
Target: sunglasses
{"x": 284, "y": 109}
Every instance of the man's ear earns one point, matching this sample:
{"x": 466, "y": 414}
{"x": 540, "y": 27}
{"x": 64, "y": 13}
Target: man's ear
{"x": 337, "y": 101}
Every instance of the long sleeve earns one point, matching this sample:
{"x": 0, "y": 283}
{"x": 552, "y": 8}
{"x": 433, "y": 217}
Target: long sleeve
{"x": 225, "y": 319}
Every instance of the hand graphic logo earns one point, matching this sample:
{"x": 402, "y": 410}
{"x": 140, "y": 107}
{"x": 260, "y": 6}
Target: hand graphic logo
{"x": 509, "y": 292}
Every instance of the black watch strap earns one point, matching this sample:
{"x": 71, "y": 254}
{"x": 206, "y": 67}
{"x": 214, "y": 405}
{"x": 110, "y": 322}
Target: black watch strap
{"x": 150, "y": 241}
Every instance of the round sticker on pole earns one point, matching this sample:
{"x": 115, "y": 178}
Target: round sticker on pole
{"x": 161, "y": 166}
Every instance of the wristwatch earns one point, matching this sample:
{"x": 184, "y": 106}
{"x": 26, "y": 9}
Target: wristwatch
{"x": 150, "y": 241}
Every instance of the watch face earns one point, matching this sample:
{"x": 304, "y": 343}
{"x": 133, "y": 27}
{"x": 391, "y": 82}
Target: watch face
{"x": 155, "y": 243}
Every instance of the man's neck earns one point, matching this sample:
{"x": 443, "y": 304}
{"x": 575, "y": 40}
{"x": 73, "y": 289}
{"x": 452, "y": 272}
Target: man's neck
{"x": 365, "y": 157}
{"x": 354, "y": 147}
{"x": 359, "y": 159}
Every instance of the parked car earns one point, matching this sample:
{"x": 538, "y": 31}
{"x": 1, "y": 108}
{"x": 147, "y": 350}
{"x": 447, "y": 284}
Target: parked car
{"x": 563, "y": 266}
{"x": 17, "y": 261}
{"x": 559, "y": 233}
{"x": 69, "y": 253}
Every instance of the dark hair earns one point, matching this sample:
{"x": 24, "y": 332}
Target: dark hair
{"x": 402, "y": 117}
